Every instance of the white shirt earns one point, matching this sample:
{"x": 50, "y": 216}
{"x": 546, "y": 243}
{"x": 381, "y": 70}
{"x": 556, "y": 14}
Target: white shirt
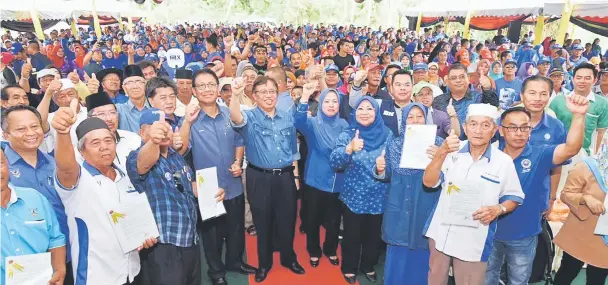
{"x": 128, "y": 142}
{"x": 495, "y": 172}
{"x": 50, "y": 138}
{"x": 95, "y": 247}
{"x": 180, "y": 108}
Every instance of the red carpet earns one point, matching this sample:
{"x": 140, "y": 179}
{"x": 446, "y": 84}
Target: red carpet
{"x": 324, "y": 274}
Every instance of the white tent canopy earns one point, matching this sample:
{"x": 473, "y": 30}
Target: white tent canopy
{"x": 56, "y": 9}
{"x": 582, "y": 8}
{"x": 478, "y": 8}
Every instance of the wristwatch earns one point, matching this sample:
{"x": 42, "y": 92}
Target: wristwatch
{"x": 503, "y": 209}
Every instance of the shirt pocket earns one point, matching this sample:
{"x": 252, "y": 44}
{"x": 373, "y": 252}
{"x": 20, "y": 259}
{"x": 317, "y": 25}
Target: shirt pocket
{"x": 264, "y": 137}
{"x": 286, "y": 138}
{"x": 36, "y": 227}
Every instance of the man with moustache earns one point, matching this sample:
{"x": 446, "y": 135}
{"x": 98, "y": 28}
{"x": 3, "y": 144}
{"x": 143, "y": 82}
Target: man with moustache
{"x": 183, "y": 79}
{"x": 129, "y": 112}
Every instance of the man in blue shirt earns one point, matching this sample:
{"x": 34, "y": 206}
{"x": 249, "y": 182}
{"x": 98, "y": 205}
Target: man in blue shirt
{"x": 129, "y": 112}
{"x": 29, "y": 226}
{"x": 508, "y": 87}
{"x": 270, "y": 142}
{"x": 577, "y": 55}
{"x": 28, "y": 166}
{"x": 516, "y": 235}
{"x": 215, "y": 144}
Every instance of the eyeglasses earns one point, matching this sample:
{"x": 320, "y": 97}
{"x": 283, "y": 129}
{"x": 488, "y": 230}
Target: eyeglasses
{"x": 105, "y": 114}
{"x": 177, "y": 182}
{"x": 205, "y": 86}
{"x": 266, "y": 92}
{"x": 523, "y": 129}
{"x": 136, "y": 82}
{"x": 112, "y": 80}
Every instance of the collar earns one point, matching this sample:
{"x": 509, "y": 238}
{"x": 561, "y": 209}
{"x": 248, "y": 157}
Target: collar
{"x": 466, "y": 95}
{"x": 132, "y": 106}
{"x": 284, "y": 94}
{"x": 467, "y": 149}
{"x": 276, "y": 113}
{"x": 219, "y": 112}
{"x": 14, "y": 197}
{"x": 12, "y": 156}
{"x": 525, "y": 153}
{"x": 544, "y": 120}
{"x": 590, "y": 96}
{"x": 94, "y": 172}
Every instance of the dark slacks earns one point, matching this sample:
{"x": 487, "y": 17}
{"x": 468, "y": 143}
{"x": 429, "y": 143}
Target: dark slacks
{"x": 361, "y": 242}
{"x": 229, "y": 227}
{"x": 571, "y": 267}
{"x": 272, "y": 198}
{"x": 167, "y": 264}
{"x": 69, "y": 274}
{"x": 325, "y": 209}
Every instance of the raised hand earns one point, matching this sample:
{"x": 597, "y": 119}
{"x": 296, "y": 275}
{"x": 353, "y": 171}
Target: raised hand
{"x": 73, "y": 76}
{"x": 65, "y": 117}
{"x": 238, "y": 86}
{"x": 192, "y": 112}
{"x": 218, "y": 68}
{"x": 360, "y": 76}
{"x": 309, "y": 89}
{"x": 131, "y": 50}
{"x": 159, "y": 130}
{"x": 26, "y": 69}
{"x": 93, "y": 84}
{"x": 485, "y": 82}
{"x": 577, "y": 104}
{"x": 55, "y": 85}
{"x": 178, "y": 142}
{"x": 381, "y": 163}
{"x": 228, "y": 42}
{"x": 451, "y": 143}
{"x": 450, "y": 109}
{"x": 356, "y": 144}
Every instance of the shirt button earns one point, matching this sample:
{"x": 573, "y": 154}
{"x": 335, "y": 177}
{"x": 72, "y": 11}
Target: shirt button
{"x": 12, "y": 232}
{"x": 17, "y": 250}
{"x": 6, "y": 214}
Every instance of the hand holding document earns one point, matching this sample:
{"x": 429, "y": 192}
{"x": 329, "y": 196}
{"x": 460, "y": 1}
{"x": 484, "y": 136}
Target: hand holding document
{"x": 207, "y": 187}
{"x": 33, "y": 269}
{"x": 417, "y": 139}
{"x": 133, "y": 223}
{"x": 602, "y": 223}
{"x": 464, "y": 198}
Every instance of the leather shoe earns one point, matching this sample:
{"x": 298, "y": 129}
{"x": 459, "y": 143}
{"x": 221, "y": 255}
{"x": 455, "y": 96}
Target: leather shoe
{"x": 261, "y": 274}
{"x": 219, "y": 281}
{"x": 335, "y": 261}
{"x": 371, "y": 277}
{"x": 314, "y": 263}
{"x": 244, "y": 269}
{"x": 350, "y": 279}
{"x": 295, "y": 267}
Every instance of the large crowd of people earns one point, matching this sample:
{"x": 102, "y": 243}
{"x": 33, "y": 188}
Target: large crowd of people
{"x": 316, "y": 113}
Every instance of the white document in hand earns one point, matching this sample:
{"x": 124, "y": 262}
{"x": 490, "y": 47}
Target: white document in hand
{"x": 133, "y": 223}
{"x": 602, "y": 223}
{"x": 33, "y": 269}
{"x": 417, "y": 140}
{"x": 464, "y": 198}
{"x": 207, "y": 186}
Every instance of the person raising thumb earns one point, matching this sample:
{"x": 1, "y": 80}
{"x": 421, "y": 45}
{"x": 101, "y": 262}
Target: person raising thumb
{"x": 381, "y": 163}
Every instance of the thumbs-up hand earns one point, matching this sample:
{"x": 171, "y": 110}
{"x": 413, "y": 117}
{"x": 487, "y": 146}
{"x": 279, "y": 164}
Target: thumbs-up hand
{"x": 73, "y": 76}
{"x": 160, "y": 129}
{"x": 450, "y": 109}
{"x": 381, "y": 163}
{"x": 65, "y": 117}
{"x": 55, "y": 86}
{"x": 309, "y": 89}
{"x": 93, "y": 84}
{"x": 192, "y": 112}
{"x": 356, "y": 144}
{"x": 26, "y": 69}
{"x": 178, "y": 142}
{"x": 485, "y": 83}
{"x": 360, "y": 76}
{"x": 451, "y": 143}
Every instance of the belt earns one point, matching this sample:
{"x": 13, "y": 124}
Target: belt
{"x": 273, "y": 171}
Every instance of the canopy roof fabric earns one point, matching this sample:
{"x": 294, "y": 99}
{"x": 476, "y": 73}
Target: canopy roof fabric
{"x": 478, "y": 8}
{"x": 581, "y": 8}
{"x": 56, "y": 9}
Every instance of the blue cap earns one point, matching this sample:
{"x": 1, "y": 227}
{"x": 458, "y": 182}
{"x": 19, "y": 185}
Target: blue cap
{"x": 16, "y": 48}
{"x": 151, "y": 57}
{"x": 509, "y": 61}
{"x": 332, "y": 67}
{"x": 149, "y": 116}
{"x": 556, "y": 46}
{"x": 544, "y": 59}
{"x": 419, "y": 66}
{"x": 505, "y": 41}
{"x": 577, "y": 47}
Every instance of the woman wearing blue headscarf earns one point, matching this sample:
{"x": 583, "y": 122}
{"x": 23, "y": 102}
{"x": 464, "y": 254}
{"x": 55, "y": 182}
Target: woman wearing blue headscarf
{"x": 406, "y": 61}
{"x": 324, "y": 183}
{"x": 189, "y": 54}
{"x": 526, "y": 70}
{"x": 173, "y": 43}
{"x": 495, "y": 70}
{"x": 363, "y": 195}
{"x": 408, "y": 206}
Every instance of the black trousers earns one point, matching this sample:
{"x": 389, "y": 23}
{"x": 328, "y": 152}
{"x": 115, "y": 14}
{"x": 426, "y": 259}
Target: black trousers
{"x": 272, "y": 198}
{"x": 361, "y": 241}
{"x": 167, "y": 264}
{"x": 69, "y": 274}
{"x": 229, "y": 227}
{"x": 324, "y": 209}
{"x": 571, "y": 267}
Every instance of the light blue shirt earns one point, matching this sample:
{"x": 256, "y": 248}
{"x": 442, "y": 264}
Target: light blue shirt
{"x": 285, "y": 103}
{"x": 129, "y": 116}
{"x": 269, "y": 142}
{"x": 508, "y": 92}
{"x": 29, "y": 225}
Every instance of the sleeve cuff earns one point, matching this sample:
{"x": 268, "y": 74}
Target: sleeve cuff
{"x": 69, "y": 188}
{"x": 241, "y": 125}
{"x": 514, "y": 198}
{"x": 58, "y": 242}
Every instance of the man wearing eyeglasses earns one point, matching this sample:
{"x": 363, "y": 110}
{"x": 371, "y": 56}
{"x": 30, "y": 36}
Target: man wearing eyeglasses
{"x": 162, "y": 173}
{"x": 134, "y": 85}
{"x": 110, "y": 79}
{"x": 509, "y": 87}
{"x": 516, "y": 236}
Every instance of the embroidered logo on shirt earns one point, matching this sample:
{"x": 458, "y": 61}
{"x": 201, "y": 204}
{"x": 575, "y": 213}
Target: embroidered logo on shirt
{"x": 547, "y": 136}
{"x": 34, "y": 212}
{"x": 16, "y": 173}
{"x": 168, "y": 176}
{"x": 387, "y": 113}
{"x": 526, "y": 164}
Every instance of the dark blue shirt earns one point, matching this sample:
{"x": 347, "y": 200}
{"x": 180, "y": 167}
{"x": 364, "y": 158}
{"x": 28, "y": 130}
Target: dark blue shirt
{"x": 533, "y": 165}
{"x": 269, "y": 142}
{"x": 461, "y": 106}
{"x": 175, "y": 211}
{"x": 214, "y": 144}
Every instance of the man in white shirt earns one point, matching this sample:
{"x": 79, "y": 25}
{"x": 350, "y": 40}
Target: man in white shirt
{"x": 183, "y": 80}
{"x": 466, "y": 243}
{"x": 89, "y": 192}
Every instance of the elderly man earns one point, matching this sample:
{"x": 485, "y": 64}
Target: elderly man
{"x": 374, "y": 77}
{"x": 129, "y": 112}
{"x": 162, "y": 94}
{"x": 246, "y": 70}
{"x": 100, "y": 106}
{"x": 110, "y": 79}
{"x": 13, "y": 95}
{"x": 421, "y": 72}
{"x": 98, "y": 256}
{"x": 29, "y": 166}
{"x": 489, "y": 179}
{"x": 29, "y": 226}
{"x": 270, "y": 179}
{"x": 423, "y": 93}
{"x": 516, "y": 238}
{"x": 157, "y": 170}
{"x": 215, "y": 144}
{"x": 183, "y": 79}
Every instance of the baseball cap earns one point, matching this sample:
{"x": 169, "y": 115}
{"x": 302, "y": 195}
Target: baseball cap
{"x": 556, "y": 69}
{"x": 332, "y": 67}
{"x": 16, "y": 48}
{"x": 556, "y": 46}
{"x": 243, "y": 66}
{"x": 45, "y": 72}
{"x": 603, "y": 67}
{"x": 511, "y": 61}
{"x": 373, "y": 66}
{"x": 577, "y": 47}
{"x": 544, "y": 59}
{"x": 420, "y": 85}
{"x": 419, "y": 66}
{"x": 225, "y": 81}
{"x": 7, "y": 57}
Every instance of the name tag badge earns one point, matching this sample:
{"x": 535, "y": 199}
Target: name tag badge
{"x": 388, "y": 113}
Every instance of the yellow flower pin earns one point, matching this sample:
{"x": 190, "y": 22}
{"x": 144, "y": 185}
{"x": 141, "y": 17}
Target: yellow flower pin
{"x": 12, "y": 267}
{"x": 116, "y": 215}
{"x": 201, "y": 180}
{"x": 452, "y": 188}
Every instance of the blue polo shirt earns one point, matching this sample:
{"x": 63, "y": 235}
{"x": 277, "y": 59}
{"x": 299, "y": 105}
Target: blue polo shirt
{"x": 533, "y": 165}
{"x": 40, "y": 178}
{"x": 129, "y": 116}
{"x": 29, "y": 225}
{"x": 214, "y": 143}
{"x": 549, "y": 130}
